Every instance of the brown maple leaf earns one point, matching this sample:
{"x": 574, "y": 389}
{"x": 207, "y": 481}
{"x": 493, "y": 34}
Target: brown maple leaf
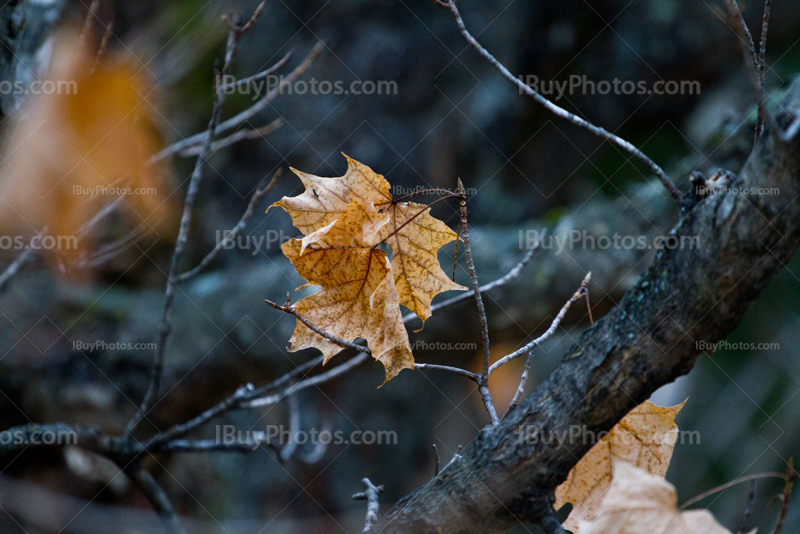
{"x": 645, "y": 438}
{"x": 639, "y": 502}
{"x": 414, "y": 235}
{"x": 357, "y": 296}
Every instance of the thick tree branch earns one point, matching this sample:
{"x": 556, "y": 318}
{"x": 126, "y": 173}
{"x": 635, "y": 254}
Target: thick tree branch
{"x": 686, "y": 296}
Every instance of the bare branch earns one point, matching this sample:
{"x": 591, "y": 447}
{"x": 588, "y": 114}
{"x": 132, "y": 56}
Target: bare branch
{"x": 215, "y": 445}
{"x": 291, "y": 310}
{"x": 316, "y": 454}
{"x": 233, "y": 402}
{"x": 754, "y": 66}
{"x": 512, "y": 274}
{"x": 247, "y": 114}
{"x": 308, "y": 382}
{"x": 748, "y": 509}
{"x": 791, "y": 474}
{"x": 723, "y": 487}
{"x": 666, "y": 181}
{"x": 483, "y": 383}
{"x": 155, "y": 494}
{"x": 550, "y": 331}
{"x": 435, "y": 460}
{"x": 258, "y": 195}
{"x": 762, "y": 49}
{"x": 475, "y": 377}
{"x": 521, "y": 388}
{"x": 165, "y": 325}
{"x": 255, "y": 77}
{"x": 235, "y": 137}
{"x": 371, "y": 496}
{"x": 24, "y": 257}
{"x": 294, "y": 427}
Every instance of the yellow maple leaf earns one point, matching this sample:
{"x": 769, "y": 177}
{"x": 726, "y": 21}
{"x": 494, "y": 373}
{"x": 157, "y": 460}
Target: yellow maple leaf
{"x": 325, "y": 199}
{"x": 414, "y": 235}
{"x": 642, "y": 503}
{"x": 357, "y": 296}
{"x": 645, "y": 438}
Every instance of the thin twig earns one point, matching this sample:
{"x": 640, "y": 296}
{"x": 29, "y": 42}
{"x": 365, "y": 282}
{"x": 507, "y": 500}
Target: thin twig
{"x": 666, "y": 181}
{"x": 475, "y": 377}
{"x": 483, "y": 384}
{"x": 165, "y": 325}
{"x": 550, "y": 331}
{"x": 435, "y": 460}
{"x": 103, "y": 46}
{"x": 216, "y": 445}
{"x": 294, "y": 427}
{"x": 510, "y": 275}
{"x": 291, "y": 310}
{"x": 748, "y": 509}
{"x": 752, "y": 65}
{"x": 316, "y": 454}
{"x": 308, "y": 382}
{"x": 24, "y": 257}
{"x": 755, "y": 62}
{"x": 762, "y": 50}
{"x": 247, "y": 114}
{"x": 411, "y": 219}
{"x": 551, "y": 525}
{"x": 255, "y": 77}
{"x": 723, "y": 487}
{"x": 258, "y": 195}
{"x": 432, "y": 191}
{"x": 233, "y": 402}
{"x": 235, "y": 137}
{"x": 88, "y": 24}
{"x": 791, "y": 474}
{"x": 371, "y": 496}
{"x": 155, "y": 494}
{"x": 521, "y": 388}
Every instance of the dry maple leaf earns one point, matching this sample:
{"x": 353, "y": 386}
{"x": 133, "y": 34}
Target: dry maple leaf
{"x": 415, "y": 237}
{"x": 357, "y": 296}
{"x": 326, "y": 199}
{"x": 642, "y": 503}
{"x": 413, "y": 233}
{"x": 645, "y": 438}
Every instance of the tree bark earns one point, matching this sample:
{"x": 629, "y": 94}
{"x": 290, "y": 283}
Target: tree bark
{"x": 686, "y": 296}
